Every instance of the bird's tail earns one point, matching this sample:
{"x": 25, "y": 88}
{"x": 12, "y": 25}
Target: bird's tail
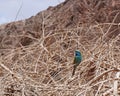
{"x": 73, "y": 73}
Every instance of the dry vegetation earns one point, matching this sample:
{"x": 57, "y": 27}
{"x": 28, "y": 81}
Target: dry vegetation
{"x": 44, "y": 67}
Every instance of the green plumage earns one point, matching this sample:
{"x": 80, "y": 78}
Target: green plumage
{"x": 77, "y": 60}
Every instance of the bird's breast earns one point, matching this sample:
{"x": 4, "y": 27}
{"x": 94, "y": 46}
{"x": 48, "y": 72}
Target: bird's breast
{"x": 78, "y": 59}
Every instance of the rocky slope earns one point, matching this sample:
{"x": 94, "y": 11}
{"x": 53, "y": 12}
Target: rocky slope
{"x": 69, "y": 14}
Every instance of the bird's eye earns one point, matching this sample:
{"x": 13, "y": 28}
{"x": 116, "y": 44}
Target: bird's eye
{"x": 76, "y": 54}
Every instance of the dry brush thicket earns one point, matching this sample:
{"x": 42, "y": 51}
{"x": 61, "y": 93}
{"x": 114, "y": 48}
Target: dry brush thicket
{"x": 44, "y": 67}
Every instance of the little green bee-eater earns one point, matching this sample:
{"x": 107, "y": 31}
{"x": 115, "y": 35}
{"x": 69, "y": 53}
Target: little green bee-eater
{"x": 77, "y": 60}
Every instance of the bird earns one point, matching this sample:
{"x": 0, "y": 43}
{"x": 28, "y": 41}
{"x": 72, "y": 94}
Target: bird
{"x": 77, "y": 60}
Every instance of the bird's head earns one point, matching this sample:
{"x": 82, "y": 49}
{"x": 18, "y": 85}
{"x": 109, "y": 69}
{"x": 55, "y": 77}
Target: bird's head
{"x": 77, "y": 53}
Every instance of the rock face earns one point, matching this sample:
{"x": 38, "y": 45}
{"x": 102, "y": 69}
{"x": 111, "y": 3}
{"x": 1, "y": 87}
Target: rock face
{"x": 69, "y": 14}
